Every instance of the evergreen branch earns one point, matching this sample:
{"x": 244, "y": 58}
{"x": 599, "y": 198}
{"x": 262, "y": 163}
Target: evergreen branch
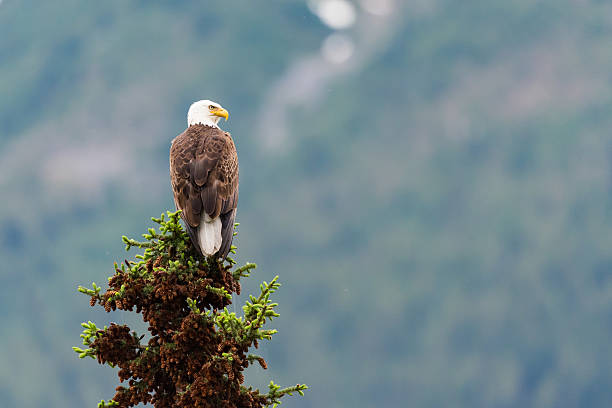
{"x": 254, "y": 357}
{"x": 85, "y": 352}
{"x": 276, "y": 392}
{"x": 116, "y": 295}
{"x": 90, "y": 331}
{"x": 244, "y": 271}
{"x": 253, "y": 307}
{"x": 229, "y": 357}
{"x": 95, "y": 292}
{"x": 129, "y": 243}
{"x": 258, "y": 310}
{"x": 151, "y": 235}
{"x": 193, "y": 306}
{"x": 231, "y": 325}
{"x": 219, "y": 292}
{"x": 196, "y": 310}
{"x": 110, "y": 403}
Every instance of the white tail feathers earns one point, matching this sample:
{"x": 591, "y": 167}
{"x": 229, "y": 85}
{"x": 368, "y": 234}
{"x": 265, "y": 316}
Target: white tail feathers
{"x": 209, "y": 234}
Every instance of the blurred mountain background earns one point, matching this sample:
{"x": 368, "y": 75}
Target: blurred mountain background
{"x": 431, "y": 179}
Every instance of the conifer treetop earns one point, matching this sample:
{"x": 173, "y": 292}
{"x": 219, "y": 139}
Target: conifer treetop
{"x": 197, "y": 350}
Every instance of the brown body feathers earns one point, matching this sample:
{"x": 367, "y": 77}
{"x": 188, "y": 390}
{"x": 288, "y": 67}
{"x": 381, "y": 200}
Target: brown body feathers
{"x": 204, "y": 176}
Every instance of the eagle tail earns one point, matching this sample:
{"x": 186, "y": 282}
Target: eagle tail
{"x": 209, "y": 235}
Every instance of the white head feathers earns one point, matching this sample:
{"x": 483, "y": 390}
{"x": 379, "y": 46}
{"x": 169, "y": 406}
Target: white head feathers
{"x": 206, "y": 112}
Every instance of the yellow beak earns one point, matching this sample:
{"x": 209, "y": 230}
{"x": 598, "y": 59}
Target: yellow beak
{"x": 220, "y": 112}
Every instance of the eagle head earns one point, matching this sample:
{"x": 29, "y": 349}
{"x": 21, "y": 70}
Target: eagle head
{"x": 206, "y": 112}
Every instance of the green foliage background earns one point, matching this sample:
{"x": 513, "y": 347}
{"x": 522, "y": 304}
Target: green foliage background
{"x": 439, "y": 213}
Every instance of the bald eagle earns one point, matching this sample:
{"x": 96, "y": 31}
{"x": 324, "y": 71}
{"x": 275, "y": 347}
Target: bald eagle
{"x": 204, "y": 177}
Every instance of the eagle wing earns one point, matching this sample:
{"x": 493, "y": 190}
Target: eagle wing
{"x": 204, "y": 175}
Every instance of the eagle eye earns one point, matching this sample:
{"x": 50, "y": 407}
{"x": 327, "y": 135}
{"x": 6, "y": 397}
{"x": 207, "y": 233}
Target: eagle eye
{"x": 212, "y": 107}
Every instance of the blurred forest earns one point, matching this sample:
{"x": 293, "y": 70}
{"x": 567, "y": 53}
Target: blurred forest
{"x": 431, "y": 179}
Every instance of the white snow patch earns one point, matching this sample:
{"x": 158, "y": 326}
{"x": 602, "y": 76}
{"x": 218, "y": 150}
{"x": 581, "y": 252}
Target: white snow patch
{"x": 337, "y": 48}
{"x": 336, "y": 14}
